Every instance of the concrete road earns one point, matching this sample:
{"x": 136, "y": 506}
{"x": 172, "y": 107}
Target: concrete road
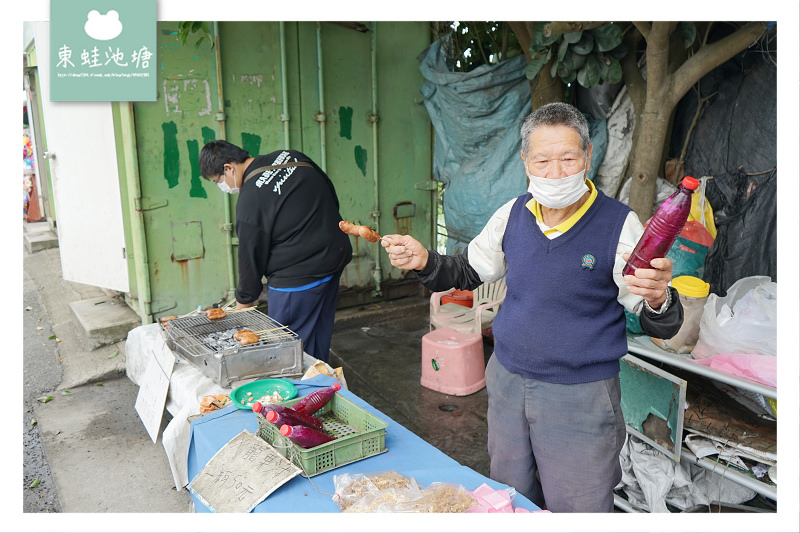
{"x": 82, "y": 438}
{"x": 101, "y": 456}
{"x": 41, "y": 373}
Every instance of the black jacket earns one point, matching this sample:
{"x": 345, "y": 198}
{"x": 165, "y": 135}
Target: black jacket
{"x": 287, "y": 224}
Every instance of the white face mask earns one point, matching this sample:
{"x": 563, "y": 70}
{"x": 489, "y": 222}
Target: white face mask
{"x": 224, "y": 187}
{"x": 558, "y": 193}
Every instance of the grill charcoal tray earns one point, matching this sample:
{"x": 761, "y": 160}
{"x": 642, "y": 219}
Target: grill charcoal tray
{"x": 209, "y": 345}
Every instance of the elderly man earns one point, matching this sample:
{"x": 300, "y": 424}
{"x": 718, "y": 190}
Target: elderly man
{"x": 554, "y": 417}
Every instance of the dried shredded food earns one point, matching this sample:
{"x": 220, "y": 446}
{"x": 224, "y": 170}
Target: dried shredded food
{"x": 355, "y": 486}
{"x": 388, "y": 492}
{"x": 440, "y": 498}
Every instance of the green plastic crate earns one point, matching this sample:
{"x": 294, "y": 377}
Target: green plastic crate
{"x": 359, "y": 434}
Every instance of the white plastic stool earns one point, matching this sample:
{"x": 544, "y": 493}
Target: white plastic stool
{"x": 453, "y": 362}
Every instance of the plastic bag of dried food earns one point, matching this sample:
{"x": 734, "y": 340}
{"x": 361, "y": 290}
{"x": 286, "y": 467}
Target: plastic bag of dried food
{"x": 390, "y": 492}
{"x": 439, "y": 497}
{"x": 371, "y": 492}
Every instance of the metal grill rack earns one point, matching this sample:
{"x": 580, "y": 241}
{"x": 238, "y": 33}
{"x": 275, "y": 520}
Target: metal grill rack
{"x": 209, "y": 345}
{"x": 191, "y": 334}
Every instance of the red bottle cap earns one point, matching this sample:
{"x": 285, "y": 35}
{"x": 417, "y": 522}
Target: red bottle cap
{"x": 337, "y": 386}
{"x": 257, "y": 407}
{"x": 690, "y": 183}
{"x": 286, "y": 430}
{"x": 272, "y": 416}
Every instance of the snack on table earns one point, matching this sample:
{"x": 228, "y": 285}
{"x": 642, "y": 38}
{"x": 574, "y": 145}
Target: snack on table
{"x": 354, "y": 488}
{"x": 440, "y": 498}
{"x": 212, "y": 402}
{"x": 390, "y": 492}
{"x": 215, "y": 312}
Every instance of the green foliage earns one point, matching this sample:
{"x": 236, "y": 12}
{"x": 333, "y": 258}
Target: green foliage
{"x": 588, "y": 56}
{"x": 198, "y": 28}
{"x": 472, "y": 44}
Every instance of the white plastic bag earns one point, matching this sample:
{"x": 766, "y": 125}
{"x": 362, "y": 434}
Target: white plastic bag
{"x": 742, "y": 322}
{"x": 650, "y": 480}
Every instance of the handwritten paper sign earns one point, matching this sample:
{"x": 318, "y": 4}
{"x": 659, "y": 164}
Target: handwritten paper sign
{"x": 241, "y": 475}
{"x": 152, "y": 395}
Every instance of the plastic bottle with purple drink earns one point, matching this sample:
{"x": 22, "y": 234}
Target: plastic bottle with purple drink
{"x": 313, "y": 402}
{"x": 304, "y": 436}
{"x": 663, "y": 228}
{"x": 293, "y": 419}
{"x": 288, "y": 412}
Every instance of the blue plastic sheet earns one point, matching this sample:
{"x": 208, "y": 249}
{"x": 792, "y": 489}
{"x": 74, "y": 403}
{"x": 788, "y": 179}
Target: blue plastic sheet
{"x": 477, "y": 116}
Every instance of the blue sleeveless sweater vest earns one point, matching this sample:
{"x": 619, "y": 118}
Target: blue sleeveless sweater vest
{"x": 561, "y": 321}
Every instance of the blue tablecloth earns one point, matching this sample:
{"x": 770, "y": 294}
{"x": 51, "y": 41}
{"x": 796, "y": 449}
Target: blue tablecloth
{"x": 407, "y": 454}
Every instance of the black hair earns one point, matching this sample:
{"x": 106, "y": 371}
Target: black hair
{"x": 216, "y": 154}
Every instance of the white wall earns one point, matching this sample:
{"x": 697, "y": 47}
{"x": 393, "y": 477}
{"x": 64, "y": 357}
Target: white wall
{"x": 85, "y": 179}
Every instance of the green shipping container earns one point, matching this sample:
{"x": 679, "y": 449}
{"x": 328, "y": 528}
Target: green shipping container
{"x": 346, "y": 94}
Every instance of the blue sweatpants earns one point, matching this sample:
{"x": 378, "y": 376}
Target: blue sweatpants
{"x": 570, "y": 434}
{"x": 308, "y": 312}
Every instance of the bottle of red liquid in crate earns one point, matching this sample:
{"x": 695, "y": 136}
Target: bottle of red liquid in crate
{"x": 304, "y": 436}
{"x": 292, "y": 417}
{"x": 316, "y": 400}
{"x": 663, "y": 228}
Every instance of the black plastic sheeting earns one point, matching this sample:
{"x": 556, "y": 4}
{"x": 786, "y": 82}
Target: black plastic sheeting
{"x": 735, "y": 141}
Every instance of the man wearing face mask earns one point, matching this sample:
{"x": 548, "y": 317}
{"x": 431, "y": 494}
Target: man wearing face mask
{"x": 555, "y": 424}
{"x": 287, "y": 217}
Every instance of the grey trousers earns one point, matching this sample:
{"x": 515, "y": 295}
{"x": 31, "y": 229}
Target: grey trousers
{"x": 570, "y": 435}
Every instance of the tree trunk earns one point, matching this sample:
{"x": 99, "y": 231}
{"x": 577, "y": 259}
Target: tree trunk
{"x": 646, "y": 158}
{"x": 664, "y": 91}
{"x": 544, "y": 88}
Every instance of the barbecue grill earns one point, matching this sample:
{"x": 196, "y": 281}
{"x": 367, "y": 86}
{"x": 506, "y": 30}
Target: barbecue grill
{"x": 209, "y": 345}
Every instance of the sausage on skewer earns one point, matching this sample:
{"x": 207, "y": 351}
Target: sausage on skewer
{"x": 364, "y": 232}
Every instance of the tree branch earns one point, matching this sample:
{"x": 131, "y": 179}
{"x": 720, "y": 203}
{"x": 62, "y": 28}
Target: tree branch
{"x": 710, "y": 57}
{"x": 523, "y": 32}
{"x": 701, "y": 100}
{"x": 559, "y": 28}
{"x": 643, "y": 27}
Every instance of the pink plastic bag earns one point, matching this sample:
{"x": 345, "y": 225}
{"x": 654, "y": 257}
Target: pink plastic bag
{"x": 760, "y": 368}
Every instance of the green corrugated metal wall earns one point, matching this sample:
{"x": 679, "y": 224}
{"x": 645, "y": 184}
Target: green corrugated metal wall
{"x": 188, "y": 236}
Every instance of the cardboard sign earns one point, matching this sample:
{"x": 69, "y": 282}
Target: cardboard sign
{"x": 154, "y": 387}
{"x": 241, "y": 475}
